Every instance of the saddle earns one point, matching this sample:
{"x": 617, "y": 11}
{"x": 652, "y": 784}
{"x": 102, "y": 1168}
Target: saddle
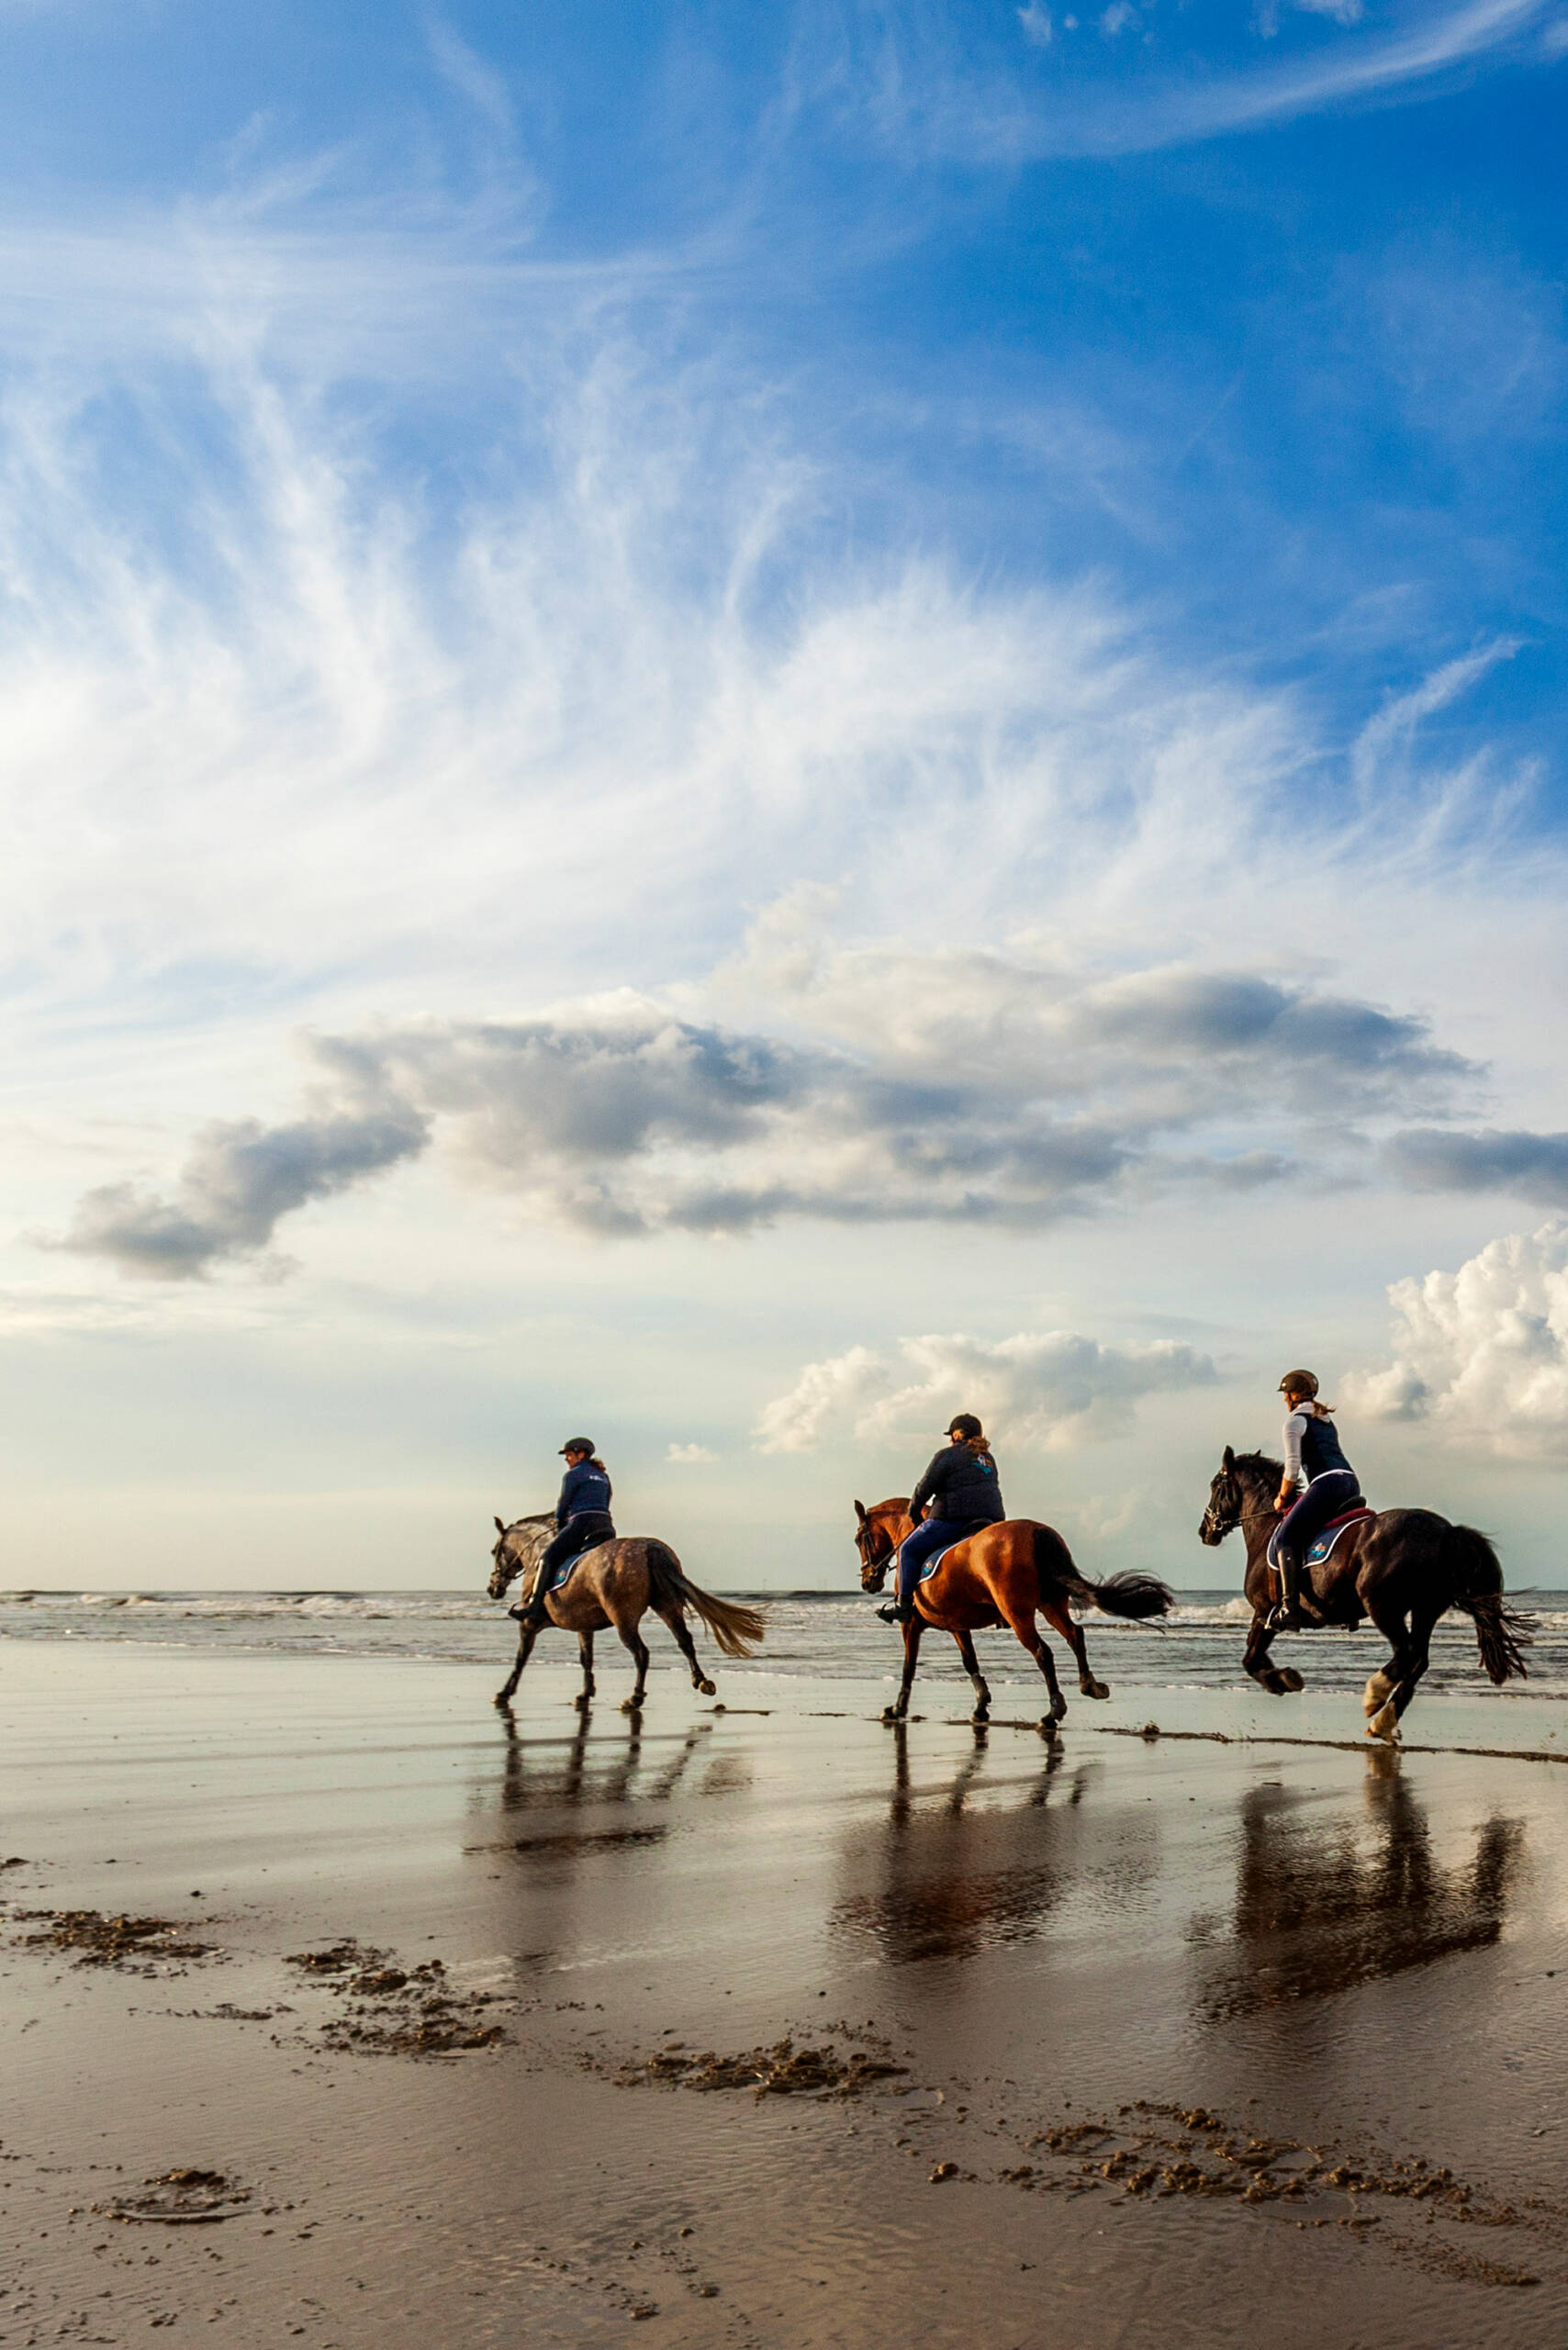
{"x": 1321, "y": 1546}
{"x": 929, "y": 1569}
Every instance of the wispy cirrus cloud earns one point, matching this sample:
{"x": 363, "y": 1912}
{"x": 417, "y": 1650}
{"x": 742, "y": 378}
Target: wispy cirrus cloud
{"x": 922, "y": 86}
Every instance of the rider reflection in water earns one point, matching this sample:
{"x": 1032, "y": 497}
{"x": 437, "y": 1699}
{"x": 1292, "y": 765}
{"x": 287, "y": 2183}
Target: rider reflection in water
{"x": 1313, "y": 1451}
{"x": 964, "y": 1493}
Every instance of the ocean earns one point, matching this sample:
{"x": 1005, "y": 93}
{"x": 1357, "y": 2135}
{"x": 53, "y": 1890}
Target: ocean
{"x": 814, "y": 1635}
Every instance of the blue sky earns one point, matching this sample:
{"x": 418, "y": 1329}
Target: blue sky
{"x": 753, "y": 724}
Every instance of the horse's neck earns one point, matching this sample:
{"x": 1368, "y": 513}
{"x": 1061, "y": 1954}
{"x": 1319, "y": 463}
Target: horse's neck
{"x": 1258, "y": 1516}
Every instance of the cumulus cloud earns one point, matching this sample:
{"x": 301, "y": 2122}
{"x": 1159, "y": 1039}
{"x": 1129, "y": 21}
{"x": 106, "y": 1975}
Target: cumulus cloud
{"x": 1046, "y": 1389}
{"x": 1430, "y": 1159}
{"x": 1484, "y": 1348}
{"x": 951, "y": 1087}
{"x": 239, "y": 1179}
{"x": 691, "y": 1456}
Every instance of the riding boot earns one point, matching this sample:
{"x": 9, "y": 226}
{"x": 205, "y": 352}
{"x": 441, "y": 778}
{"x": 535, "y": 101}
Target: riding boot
{"x": 897, "y": 1611}
{"x": 535, "y": 1615}
{"x": 1288, "y": 1617}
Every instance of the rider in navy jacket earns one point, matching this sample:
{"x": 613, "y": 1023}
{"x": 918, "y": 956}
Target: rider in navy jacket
{"x": 962, "y": 1491}
{"x": 582, "y": 1519}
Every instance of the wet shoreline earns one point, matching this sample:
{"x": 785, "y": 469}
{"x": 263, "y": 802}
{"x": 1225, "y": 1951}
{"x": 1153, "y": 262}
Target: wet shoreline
{"x": 775, "y": 2023}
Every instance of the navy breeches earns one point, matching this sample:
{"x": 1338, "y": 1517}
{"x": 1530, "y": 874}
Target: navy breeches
{"x": 926, "y": 1541}
{"x": 578, "y": 1534}
{"x": 1336, "y": 1490}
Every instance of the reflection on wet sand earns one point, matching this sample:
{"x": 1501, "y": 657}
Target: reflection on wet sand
{"x": 593, "y": 1771}
{"x": 947, "y": 1878}
{"x": 1325, "y": 1903}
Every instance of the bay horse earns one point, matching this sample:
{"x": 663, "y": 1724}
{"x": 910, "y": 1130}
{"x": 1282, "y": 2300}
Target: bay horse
{"x": 1403, "y": 1568}
{"x": 1004, "y": 1575}
{"x": 616, "y": 1583}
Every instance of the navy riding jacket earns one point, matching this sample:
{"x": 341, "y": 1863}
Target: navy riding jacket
{"x": 959, "y": 1484}
{"x": 585, "y": 1486}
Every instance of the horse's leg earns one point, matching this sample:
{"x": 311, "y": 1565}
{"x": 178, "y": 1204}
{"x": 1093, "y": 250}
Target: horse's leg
{"x": 1422, "y": 1620}
{"x": 676, "y": 1619}
{"x": 526, "y": 1639}
{"x": 1389, "y": 1692}
{"x": 585, "y": 1649}
{"x": 632, "y": 1638}
{"x": 911, "y": 1632}
{"x": 1057, "y": 1611}
{"x": 1020, "y": 1614}
{"x": 1279, "y": 1680}
{"x": 971, "y": 1666}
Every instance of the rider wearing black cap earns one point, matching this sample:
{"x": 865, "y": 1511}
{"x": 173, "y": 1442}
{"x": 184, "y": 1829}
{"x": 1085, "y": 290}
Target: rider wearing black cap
{"x": 964, "y": 1494}
{"x": 582, "y": 1519}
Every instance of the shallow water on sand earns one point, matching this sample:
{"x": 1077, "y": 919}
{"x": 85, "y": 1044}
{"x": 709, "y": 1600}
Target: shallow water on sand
{"x": 1360, "y": 1952}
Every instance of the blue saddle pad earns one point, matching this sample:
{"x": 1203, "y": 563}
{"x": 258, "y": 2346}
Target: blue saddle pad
{"x": 929, "y": 1569}
{"x": 1322, "y": 1546}
{"x": 561, "y": 1574}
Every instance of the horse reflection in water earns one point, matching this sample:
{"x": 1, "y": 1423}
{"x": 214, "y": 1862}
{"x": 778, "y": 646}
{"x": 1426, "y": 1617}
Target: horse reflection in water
{"x": 951, "y": 1878}
{"x": 1321, "y": 1906}
{"x": 594, "y": 1775}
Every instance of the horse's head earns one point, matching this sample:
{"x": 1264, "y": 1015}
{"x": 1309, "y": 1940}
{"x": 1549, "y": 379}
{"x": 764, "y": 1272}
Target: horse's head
{"x": 1222, "y": 1515}
{"x": 876, "y": 1541}
{"x": 504, "y": 1564}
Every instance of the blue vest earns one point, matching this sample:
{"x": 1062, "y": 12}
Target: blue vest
{"x": 1321, "y": 1450}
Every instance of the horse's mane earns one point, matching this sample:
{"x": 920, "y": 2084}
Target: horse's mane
{"x": 1258, "y": 1465}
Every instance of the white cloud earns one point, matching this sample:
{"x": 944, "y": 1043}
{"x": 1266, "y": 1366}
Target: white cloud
{"x": 960, "y": 1087}
{"x": 1036, "y": 24}
{"x": 942, "y": 102}
{"x": 691, "y": 1456}
{"x": 1047, "y": 1390}
{"x": 1483, "y": 1351}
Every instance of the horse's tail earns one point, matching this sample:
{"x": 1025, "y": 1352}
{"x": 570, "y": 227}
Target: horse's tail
{"x": 1502, "y": 1633}
{"x": 1127, "y": 1593}
{"x": 735, "y": 1628}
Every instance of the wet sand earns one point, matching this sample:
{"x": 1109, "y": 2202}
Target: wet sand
{"x": 761, "y": 2028}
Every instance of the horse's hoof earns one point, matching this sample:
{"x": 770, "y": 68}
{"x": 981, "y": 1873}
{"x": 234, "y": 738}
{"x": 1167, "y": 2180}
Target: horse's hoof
{"x": 631, "y": 1705}
{"x": 981, "y": 1713}
{"x": 1095, "y": 1689}
{"x": 706, "y": 1689}
{"x": 1378, "y": 1690}
{"x": 502, "y": 1702}
{"x": 890, "y": 1714}
{"x": 1059, "y": 1707}
{"x": 582, "y": 1701}
{"x": 1385, "y": 1723}
{"x": 1048, "y": 1726}
{"x": 1290, "y": 1680}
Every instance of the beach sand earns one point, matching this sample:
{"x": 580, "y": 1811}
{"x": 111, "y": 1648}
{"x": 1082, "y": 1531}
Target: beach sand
{"x": 1206, "y": 2043}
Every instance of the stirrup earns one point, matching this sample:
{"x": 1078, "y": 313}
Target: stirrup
{"x": 893, "y": 1611}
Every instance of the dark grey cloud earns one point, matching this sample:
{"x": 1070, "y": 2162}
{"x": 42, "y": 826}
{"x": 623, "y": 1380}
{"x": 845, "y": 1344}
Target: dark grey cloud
{"x": 238, "y": 1181}
{"x": 624, "y": 1118}
{"x": 1328, "y": 1045}
{"x": 1430, "y": 1159}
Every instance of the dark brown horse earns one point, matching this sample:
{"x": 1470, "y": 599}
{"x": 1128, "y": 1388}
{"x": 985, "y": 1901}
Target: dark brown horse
{"x": 1005, "y": 1574}
{"x": 1403, "y": 1568}
{"x": 616, "y": 1583}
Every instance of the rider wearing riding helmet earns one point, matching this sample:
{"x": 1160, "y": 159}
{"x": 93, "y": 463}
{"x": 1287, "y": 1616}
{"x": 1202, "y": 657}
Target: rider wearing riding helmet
{"x": 1312, "y": 1452}
{"x": 582, "y": 1519}
{"x": 963, "y": 1493}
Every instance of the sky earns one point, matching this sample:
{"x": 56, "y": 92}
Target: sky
{"x": 728, "y": 727}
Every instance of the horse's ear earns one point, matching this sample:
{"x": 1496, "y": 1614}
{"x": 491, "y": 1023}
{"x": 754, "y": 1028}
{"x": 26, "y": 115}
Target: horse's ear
{"x": 499, "y": 1527}
{"x": 860, "y": 1512}
{"x": 1229, "y": 1460}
